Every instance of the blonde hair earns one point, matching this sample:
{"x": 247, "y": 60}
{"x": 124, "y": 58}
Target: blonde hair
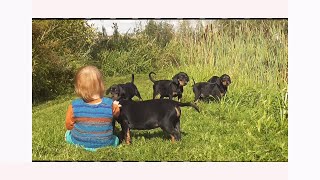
{"x": 89, "y": 83}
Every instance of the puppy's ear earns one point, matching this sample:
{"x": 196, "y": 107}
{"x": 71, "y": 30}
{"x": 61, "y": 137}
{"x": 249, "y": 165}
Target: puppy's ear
{"x": 188, "y": 79}
{"x": 121, "y": 90}
{"x": 175, "y": 79}
{"x": 108, "y": 90}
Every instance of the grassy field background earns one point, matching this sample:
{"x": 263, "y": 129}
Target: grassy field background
{"x": 249, "y": 124}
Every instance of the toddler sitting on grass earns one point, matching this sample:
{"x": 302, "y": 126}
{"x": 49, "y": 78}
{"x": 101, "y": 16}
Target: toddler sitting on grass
{"x": 89, "y": 118}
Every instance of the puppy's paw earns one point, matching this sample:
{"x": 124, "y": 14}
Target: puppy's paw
{"x": 117, "y": 103}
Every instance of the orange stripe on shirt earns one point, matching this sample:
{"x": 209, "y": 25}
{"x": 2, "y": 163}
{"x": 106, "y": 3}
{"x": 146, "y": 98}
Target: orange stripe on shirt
{"x": 70, "y": 120}
{"x": 93, "y": 119}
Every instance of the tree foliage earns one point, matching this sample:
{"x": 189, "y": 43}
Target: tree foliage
{"x": 161, "y": 32}
{"x": 59, "y": 47}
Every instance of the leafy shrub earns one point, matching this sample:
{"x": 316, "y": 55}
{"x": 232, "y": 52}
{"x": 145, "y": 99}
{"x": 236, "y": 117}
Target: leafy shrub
{"x": 58, "y": 49}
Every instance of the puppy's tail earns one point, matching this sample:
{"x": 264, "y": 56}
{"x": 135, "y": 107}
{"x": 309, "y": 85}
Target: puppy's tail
{"x": 188, "y": 104}
{"x": 151, "y": 77}
{"x": 132, "y": 78}
{"x": 193, "y": 82}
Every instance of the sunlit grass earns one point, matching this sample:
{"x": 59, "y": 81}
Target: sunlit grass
{"x": 245, "y": 126}
{"x": 249, "y": 124}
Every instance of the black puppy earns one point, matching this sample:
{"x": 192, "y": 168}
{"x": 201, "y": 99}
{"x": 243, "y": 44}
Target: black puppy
{"x": 150, "y": 114}
{"x": 204, "y": 90}
{"x": 224, "y": 81}
{"x": 181, "y": 78}
{"x": 168, "y": 88}
{"x": 124, "y": 91}
{"x": 214, "y": 79}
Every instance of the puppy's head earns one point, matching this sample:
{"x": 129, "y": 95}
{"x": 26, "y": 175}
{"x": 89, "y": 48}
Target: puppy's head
{"x": 181, "y": 78}
{"x": 225, "y": 80}
{"x": 115, "y": 91}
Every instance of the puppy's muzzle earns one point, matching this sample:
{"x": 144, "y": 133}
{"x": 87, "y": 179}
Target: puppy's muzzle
{"x": 226, "y": 83}
{"x": 183, "y": 82}
{"x": 114, "y": 95}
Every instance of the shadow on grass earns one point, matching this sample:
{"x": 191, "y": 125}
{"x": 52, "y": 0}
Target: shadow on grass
{"x": 150, "y": 135}
{"x": 147, "y": 134}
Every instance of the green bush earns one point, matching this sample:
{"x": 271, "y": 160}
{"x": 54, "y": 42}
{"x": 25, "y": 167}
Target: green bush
{"x": 59, "y": 48}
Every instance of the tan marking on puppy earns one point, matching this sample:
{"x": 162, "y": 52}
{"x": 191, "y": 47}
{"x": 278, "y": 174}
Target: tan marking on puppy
{"x": 128, "y": 137}
{"x": 172, "y": 138}
{"x": 178, "y": 112}
{"x": 221, "y": 94}
{"x": 224, "y": 83}
{"x": 182, "y": 83}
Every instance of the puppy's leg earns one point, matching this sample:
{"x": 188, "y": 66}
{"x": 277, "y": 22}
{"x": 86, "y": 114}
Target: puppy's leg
{"x": 177, "y": 130}
{"x": 167, "y": 126}
{"x": 138, "y": 95}
{"x": 154, "y": 94}
{"x": 128, "y": 138}
{"x": 125, "y": 130}
{"x": 197, "y": 93}
{"x": 172, "y": 138}
{"x": 155, "y": 91}
{"x": 175, "y": 136}
{"x": 196, "y": 96}
{"x": 179, "y": 97}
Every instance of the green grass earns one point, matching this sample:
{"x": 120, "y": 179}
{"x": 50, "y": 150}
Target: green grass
{"x": 250, "y": 124}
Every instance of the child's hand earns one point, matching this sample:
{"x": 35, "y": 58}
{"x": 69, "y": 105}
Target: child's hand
{"x": 117, "y": 103}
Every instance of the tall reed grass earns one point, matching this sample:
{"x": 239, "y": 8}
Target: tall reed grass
{"x": 254, "y": 52}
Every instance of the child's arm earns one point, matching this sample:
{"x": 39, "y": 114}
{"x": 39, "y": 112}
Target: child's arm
{"x": 116, "y": 108}
{"x": 69, "y": 118}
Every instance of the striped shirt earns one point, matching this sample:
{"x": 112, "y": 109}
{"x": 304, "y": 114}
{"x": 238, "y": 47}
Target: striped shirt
{"x": 91, "y": 124}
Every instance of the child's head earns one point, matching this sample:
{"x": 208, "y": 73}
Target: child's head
{"x": 89, "y": 83}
